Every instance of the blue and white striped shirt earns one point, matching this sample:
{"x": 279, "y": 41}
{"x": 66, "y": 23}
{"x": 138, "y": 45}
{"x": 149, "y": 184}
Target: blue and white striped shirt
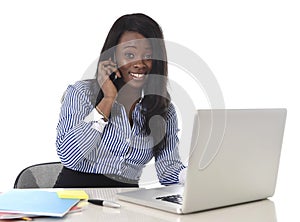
{"x": 119, "y": 148}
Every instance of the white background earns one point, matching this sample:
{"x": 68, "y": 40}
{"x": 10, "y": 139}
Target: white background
{"x": 252, "y": 47}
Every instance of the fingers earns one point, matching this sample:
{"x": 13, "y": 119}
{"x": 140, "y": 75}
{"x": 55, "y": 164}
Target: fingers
{"x": 118, "y": 74}
{"x": 108, "y": 63}
{"x": 108, "y": 70}
{"x": 107, "y": 67}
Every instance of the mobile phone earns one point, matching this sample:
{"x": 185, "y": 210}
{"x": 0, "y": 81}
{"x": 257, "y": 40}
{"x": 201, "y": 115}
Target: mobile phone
{"x": 113, "y": 76}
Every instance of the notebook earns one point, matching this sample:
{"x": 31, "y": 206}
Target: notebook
{"x": 35, "y": 203}
{"x": 234, "y": 158}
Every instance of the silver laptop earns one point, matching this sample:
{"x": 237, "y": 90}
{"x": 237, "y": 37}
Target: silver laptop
{"x": 234, "y": 158}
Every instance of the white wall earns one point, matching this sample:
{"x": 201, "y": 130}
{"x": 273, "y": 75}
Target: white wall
{"x": 252, "y": 47}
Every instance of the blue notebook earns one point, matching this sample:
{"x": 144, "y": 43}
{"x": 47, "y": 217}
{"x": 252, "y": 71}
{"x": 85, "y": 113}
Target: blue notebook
{"x": 35, "y": 202}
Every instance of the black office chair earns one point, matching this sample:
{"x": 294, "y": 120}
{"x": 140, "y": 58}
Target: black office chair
{"x": 41, "y": 175}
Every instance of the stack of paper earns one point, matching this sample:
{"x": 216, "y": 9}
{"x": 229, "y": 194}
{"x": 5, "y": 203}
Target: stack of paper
{"x": 26, "y": 202}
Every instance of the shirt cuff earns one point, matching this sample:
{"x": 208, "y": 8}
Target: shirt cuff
{"x": 97, "y": 119}
{"x": 182, "y": 176}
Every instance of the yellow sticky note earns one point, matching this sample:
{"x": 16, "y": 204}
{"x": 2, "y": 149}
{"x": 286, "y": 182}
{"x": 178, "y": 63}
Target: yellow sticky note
{"x": 72, "y": 194}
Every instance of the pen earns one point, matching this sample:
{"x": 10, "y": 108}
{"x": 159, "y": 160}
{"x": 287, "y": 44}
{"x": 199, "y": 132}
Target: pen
{"x": 26, "y": 218}
{"x": 104, "y": 203}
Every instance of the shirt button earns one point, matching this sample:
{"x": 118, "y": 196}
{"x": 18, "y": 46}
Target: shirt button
{"x": 127, "y": 140}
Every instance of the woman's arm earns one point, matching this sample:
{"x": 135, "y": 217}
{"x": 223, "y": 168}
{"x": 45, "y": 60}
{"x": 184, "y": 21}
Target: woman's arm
{"x": 79, "y": 128}
{"x": 168, "y": 164}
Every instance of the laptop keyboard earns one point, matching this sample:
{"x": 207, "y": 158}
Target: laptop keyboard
{"x": 177, "y": 198}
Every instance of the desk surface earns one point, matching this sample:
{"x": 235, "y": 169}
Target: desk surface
{"x": 260, "y": 211}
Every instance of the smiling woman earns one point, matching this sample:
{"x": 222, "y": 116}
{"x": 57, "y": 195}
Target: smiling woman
{"x": 112, "y": 126}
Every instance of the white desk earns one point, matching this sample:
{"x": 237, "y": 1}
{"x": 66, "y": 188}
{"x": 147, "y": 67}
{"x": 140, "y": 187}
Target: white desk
{"x": 261, "y": 211}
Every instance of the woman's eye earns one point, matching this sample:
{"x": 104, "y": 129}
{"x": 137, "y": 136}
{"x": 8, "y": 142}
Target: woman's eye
{"x": 129, "y": 55}
{"x": 148, "y": 56}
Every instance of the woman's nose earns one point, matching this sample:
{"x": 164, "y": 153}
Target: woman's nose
{"x": 139, "y": 64}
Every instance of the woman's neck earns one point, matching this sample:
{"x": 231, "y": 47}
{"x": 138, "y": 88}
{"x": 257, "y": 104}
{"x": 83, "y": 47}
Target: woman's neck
{"x": 128, "y": 97}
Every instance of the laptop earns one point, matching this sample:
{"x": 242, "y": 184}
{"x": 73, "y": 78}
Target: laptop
{"x": 233, "y": 159}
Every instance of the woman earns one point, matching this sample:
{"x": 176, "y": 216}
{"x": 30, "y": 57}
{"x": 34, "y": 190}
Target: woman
{"x": 109, "y": 128}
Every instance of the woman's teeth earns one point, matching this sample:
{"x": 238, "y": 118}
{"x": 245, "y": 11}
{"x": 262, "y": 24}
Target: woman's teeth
{"x": 137, "y": 75}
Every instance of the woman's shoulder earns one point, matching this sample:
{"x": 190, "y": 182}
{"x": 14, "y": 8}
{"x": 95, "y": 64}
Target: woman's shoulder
{"x": 85, "y": 85}
{"x": 171, "y": 113}
{"x": 83, "y": 89}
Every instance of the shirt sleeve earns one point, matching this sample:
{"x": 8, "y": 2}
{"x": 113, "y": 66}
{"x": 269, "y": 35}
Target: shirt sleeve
{"x": 168, "y": 164}
{"x": 78, "y": 131}
{"x": 97, "y": 119}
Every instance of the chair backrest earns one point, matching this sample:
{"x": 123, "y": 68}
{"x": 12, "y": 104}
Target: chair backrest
{"x": 41, "y": 175}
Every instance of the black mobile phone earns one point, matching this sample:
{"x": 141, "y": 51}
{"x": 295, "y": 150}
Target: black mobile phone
{"x": 113, "y": 76}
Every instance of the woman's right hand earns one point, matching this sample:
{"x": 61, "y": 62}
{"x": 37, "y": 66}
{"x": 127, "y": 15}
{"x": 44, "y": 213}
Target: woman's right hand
{"x": 105, "y": 68}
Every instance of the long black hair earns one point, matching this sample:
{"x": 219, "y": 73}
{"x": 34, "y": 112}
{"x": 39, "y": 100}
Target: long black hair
{"x": 156, "y": 98}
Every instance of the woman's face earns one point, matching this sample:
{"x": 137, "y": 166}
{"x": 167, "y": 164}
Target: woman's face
{"x": 134, "y": 58}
